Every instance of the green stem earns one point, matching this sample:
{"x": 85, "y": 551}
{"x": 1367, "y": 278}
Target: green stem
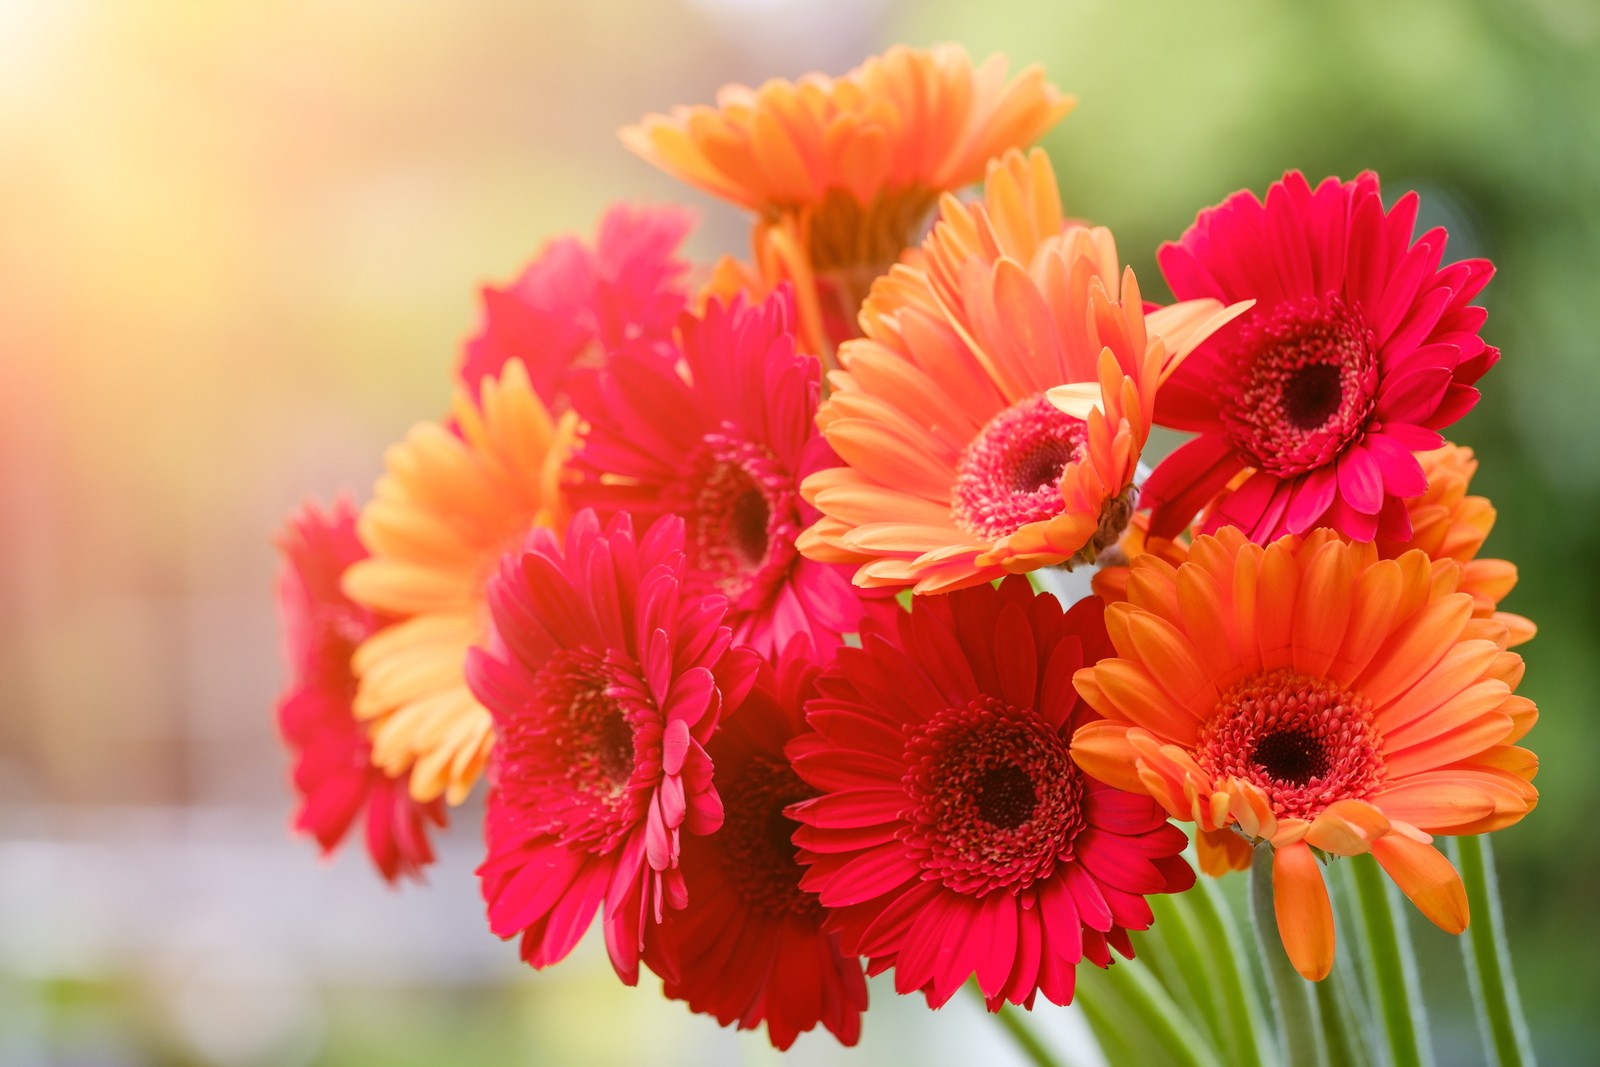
{"x": 1115, "y": 1029}
{"x": 1391, "y": 963}
{"x": 1194, "y": 970}
{"x": 1299, "y": 1028}
{"x": 1488, "y": 957}
{"x": 1157, "y": 1010}
{"x": 1238, "y": 989}
{"x": 1345, "y": 1036}
{"x": 1009, "y": 1017}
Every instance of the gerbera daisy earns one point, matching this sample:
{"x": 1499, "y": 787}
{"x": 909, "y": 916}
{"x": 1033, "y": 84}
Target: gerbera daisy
{"x": 1358, "y": 350}
{"x": 963, "y": 461}
{"x": 723, "y": 439}
{"x": 333, "y": 772}
{"x": 750, "y": 947}
{"x": 605, "y": 680}
{"x": 954, "y": 836}
{"x": 574, "y": 304}
{"x": 842, "y": 172}
{"x": 439, "y": 520}
{"x": 1447, "y": 523}
{"x": 1311, "y": 695}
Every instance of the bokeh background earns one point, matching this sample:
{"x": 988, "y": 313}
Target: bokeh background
{"x": 240, "y": 244}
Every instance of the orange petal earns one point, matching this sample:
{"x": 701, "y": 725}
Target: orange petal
{"x": 1251, "y": 809}
{"x": 1347, "y": 827}
{"x": 1102, "y": 751}
{"x": 1436, "y": 801}
{"x": 1172, "y": 661}
{"x": 1427, "y": 880}
{"x": 1305, "y": 914}
{"x": 1322, "y": 608}
{"x": 1221, "y": 851}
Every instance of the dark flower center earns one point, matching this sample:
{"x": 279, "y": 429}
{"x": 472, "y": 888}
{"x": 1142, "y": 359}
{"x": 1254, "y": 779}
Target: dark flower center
{"x": 1294, "y": 756}
{"x": 759, "y": 856}
{"x": 1005, "y": 796}
{"x": 1311, "y": 395}
{"x": 567, "y": 766}
{"x": 1305, "y": 375}
{"x": 995, "y": 797}
{"x": 1010, "y": 474}
{"x": 747, "y": 525}
{"x": 612, "y": 750}
{"x": 742, "y": 513}
{"x": 1304, "y": 741}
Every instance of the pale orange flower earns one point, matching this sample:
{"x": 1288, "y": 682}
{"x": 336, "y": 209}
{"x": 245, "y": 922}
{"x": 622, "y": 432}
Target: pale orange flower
{"x": 842, "y": 172}
{"x": 1447, "y": 523}
{"x": 1309, "y": 694}
{"x": 992, "y": 419}
{"x": 449, "y": 506}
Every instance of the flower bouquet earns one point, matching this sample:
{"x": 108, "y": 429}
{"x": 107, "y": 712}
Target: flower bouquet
{"x": 753, "y": 592}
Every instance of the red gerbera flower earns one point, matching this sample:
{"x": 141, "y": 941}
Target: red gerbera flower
{"x": 574, "y": 303}
{"x": 724, "y": 440}
{"x": 605, "y": 682}
{"x": 1358, "y": 350}
{"x": 750, "y": 946}
{"x": 955, "y": 836}
{"x": 333, "y": 771}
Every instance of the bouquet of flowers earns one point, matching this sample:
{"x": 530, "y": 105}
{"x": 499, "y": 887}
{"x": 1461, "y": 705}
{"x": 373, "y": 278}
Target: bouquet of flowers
{"x": 748, "y": 591}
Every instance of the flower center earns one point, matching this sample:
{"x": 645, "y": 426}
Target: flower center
{"x": 568, "y": 770}
{"x": 1304, "y": 741}
{"x": 1010, "y": 474}
{"x": 1005, "y": 797}
{"x": 742, "y": 518}
{"x": 1293, "y": 756}
{"x": 995, "y": 797}
{"x": 1305, "y": 380}
{"x": 755, "y": 836}
{"x": 848, "y": 237}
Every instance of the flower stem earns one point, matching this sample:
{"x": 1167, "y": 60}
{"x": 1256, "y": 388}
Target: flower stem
{"x": 1235, "y": 981}
{"x": 1346, "y": 1037}
{"x": 1488, "y": 956}
{"x": 1156, "y": 1010}
{"x": 1299, "y": 1024}
{"x": 1010, "y": 1019}
{"x": 1386, "y": 944}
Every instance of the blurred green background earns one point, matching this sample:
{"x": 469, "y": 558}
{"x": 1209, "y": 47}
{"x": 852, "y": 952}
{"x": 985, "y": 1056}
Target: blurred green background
{"x": 239, "y": 247}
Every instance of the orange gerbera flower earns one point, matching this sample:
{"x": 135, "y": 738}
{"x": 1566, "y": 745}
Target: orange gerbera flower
{"x": 842, "y": 172}
{"x": 439, "y": 520}
{"x": 966, "y": 456}
{"x": 1446, "y": 523}
{"x": 1310, "y": 695}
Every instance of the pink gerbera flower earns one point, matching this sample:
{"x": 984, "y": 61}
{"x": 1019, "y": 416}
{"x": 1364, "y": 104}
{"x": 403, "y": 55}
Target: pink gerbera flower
{"x": 954, "y": 835}
{"x": 575, "y": 303}
{"x": 1358, "y": 350}
{"x": 606, "y": 680}
{"x": 723, "y": 439}
{"x": 750, "y": 946}
{"x": 333, "y": 771}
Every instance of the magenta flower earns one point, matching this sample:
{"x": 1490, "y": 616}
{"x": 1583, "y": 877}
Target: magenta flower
{"x": 724, "y": 439}
{"x": 1359, "y": 349}
{"x": 954, "y": 836}
{"x": 333, "y": 771}
{"x": 574, "y": 305}
{"x": 606, "y": 679}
